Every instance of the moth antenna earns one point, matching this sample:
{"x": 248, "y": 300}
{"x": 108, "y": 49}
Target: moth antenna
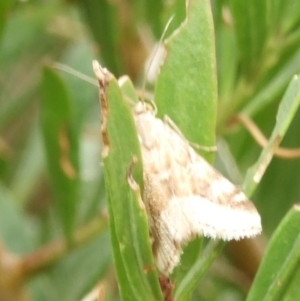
{"x": 153, "y": 57}
{"x": 171, "y": 123}
{"x": 75, "y": 73}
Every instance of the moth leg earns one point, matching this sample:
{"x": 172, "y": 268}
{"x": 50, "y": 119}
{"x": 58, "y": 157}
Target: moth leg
{"x": 167, "y": 287}
{"x": 174, "y": 127}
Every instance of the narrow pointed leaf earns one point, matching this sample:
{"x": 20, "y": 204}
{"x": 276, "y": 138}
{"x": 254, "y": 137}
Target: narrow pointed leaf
{"x": 251, "y": 25}
{"x": 61, "y": 143}
{"x": 198, "y": 270}
{"x": 186, "y": 88}
{"x": 287, "y": 109}
{"x": 131, "y": 242}
{"x": 278, "y": 275}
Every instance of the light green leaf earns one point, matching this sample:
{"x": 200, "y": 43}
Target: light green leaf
{"x": 149, "y": 12}
{"x": 198, "y": 270}
{"x": 61, "y": 142}
{"x": 287, "y": 109}
{"x": 5, "y": 6}
{"x": 17, "y": 232}
{"x": 278, "y": 276}
{"x": 285, "y": 15}
{"x": 129, "y": 227}
{"x": 30, "y": 167}
{"x": 103, "y": 21}
{"x": 250, "y": 19}
{"x": 186, "y": 88}
{"x": 128, "y": 90}
{"x": 271, "y": 90}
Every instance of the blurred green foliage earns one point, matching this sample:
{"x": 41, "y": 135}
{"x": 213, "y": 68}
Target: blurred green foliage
{"x": 51, "y": 176}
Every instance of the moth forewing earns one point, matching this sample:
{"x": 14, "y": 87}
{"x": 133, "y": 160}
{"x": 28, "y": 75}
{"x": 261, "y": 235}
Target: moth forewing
{"x": 184, "y": 195}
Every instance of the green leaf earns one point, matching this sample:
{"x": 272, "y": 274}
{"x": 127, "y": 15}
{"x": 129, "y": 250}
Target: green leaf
{"x": 30, "y": 167}
{"x": 83, "y": 267}
{"x": 285, "y": 15}
{"x": 5, "y": 6}
{"x": 273, "y": 89}
{"x": 186, "y": 88}
{"x": 128, "y": 89}
{"x": 186, "y": 91}
{"x": 16, "y": 231}
{"x": 129, "y": 226}
{"x": 191, "y": 253}
{"x": 198, "y": 270}
{"x": 278, "y": 276}
{"x": 150, "y": 13}
{"x": 61, "y": 142}
{"x": 125, "y": 289}
{"x": 250, "y": 20}
{"x": 286, "y": 111}
{"x": 227, "y": 62}
{"x": 154, "y": 8}
{"x": 104, "y": 23}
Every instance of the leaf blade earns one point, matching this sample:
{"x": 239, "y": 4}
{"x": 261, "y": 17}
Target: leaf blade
{"x": 186, "y": 88}
{"x": 281, "y": 261}
{"x": 285, "y": 114}
{"x": 61, "y": 143}
{"x": 130, "y": 219}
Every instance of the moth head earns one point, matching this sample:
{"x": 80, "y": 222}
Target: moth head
{"x": 145, "y": 107}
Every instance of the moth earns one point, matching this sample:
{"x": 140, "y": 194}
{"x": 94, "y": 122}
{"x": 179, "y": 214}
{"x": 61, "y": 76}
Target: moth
{"x": 184, "y": 195}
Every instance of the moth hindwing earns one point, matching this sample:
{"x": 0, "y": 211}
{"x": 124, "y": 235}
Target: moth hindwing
{"x": 184, "y": 195}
